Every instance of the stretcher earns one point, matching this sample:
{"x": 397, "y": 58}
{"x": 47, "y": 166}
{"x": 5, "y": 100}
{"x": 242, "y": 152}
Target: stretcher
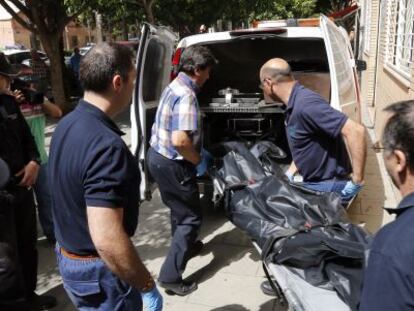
{"x": 298, "y": 294}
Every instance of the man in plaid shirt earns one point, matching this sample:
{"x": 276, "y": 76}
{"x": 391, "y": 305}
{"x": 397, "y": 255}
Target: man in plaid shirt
{"x": 172, "y": 159}
{"x": 40, "y": 71}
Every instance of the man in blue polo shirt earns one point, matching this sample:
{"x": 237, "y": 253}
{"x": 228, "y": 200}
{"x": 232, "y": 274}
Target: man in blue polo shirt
{"x": 317, "y": 134}
{"x": 388, "y": 282}
{"x": 95, "y": 197}
{"x": 172, "y": 159}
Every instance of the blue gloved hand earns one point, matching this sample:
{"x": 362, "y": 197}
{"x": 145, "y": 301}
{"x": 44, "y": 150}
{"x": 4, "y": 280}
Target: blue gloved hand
{"x": 289, "y": 175}
{"x": 206, "y": 162}
{"x": 350, "y": 190}
{"x": 152, "y": 300}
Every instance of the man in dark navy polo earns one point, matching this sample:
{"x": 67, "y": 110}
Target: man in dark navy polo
{"x": 95, "y": 182}
{"x": 389, "y": 277}
{"x": 316, "y": 134}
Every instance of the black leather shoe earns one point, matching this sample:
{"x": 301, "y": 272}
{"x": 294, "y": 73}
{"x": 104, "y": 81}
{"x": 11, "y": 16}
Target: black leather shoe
{"x": 196, "y": 249}
{"x": 41, "y": 302}
{"x": 180, "y": 289}
{"x": 267, "y": 288}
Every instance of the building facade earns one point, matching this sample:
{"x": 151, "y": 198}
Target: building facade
{"x": 386, "y": 44}
{"x": 388, "y": 48}
{"x": 14, "y": 34}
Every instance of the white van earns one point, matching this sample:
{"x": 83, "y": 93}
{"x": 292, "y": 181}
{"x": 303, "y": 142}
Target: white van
{"x": 232, "y": 103}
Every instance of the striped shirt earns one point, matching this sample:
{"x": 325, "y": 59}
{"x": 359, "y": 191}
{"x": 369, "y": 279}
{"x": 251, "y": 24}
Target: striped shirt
{"x": 178, "y": 110}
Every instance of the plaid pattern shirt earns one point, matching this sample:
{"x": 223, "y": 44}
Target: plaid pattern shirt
{"x": 39, "y": 68}
{"x": 178, "y": 110}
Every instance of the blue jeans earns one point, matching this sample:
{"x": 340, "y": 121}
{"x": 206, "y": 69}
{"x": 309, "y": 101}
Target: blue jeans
{"x": 44, "y": 203}
{"x": 92, "y": 286}
{"x": 329, "y": 186}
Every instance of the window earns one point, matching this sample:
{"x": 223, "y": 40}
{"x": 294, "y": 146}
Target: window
{"x": 367, "y": 26}
{"x": 400, "y": 33}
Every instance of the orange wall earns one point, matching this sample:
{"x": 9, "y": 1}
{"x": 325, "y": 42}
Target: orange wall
{"x": 6, "y": 34}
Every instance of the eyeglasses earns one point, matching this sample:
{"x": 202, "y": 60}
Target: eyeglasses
{"x": 377, "y": 147}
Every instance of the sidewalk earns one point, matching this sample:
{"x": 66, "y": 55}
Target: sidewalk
{"x": 229, "y": 269}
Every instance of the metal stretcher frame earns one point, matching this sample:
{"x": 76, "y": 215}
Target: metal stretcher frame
{"x": 299, "y": 294}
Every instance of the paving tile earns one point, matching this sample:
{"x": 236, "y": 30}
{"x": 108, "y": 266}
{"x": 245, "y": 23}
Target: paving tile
{"x": 229, "y": 290}
{"x": 184, "y": 306}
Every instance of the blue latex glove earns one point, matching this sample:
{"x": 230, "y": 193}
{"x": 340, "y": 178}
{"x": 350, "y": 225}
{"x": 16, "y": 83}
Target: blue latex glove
{"x": 350, "y": 190}
{"x": 289, "y": 176}
{"x": 206, "y": 162}
{"x": 152, "y": 300}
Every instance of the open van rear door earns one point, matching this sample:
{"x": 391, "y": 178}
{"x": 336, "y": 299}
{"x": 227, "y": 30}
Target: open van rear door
{"x": 153, "y": 63}
{"x": 344, "y": 88}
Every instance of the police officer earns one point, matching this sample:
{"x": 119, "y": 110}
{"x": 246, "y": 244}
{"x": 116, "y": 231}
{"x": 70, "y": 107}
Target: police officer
{"x": 172, "y": 160}
{"x": 18, "y": 232}
{"x": 95, "y": 195}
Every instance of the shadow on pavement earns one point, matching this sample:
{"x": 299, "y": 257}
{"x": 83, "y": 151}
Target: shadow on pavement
{"x": 234, "y": 307}
{"x": 270, "y": 305}
{"x": 220, "y": 259}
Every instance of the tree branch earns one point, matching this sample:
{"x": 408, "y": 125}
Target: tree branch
{"x": 83, "y": 7}
{"x": 22, "y": 8}
{"x": 140, "y": 3}
{"x": 16, "y": 16}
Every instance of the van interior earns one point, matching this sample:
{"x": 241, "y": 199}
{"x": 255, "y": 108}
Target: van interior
{"x": 246, "y": 115}
{"x": 243, "y": 116}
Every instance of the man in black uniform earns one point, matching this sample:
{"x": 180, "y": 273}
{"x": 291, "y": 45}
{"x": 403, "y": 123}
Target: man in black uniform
{"x": 18, "y": 232}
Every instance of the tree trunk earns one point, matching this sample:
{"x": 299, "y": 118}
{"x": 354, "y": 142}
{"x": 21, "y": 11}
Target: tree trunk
{"x": 124, "y": 29}
{"x": 99, "y": 35}
{"x": 149, "y": 13}
{"x": 51, "y": 45}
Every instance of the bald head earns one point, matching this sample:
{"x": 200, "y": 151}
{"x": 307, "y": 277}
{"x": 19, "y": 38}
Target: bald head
{"x": 276, "y": 69}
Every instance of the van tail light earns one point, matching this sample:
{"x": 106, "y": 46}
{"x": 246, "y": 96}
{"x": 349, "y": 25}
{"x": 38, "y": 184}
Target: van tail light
{"x": 175, "y": 63}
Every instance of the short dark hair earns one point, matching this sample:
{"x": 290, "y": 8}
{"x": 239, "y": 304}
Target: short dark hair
{"x": 196, "y": 57}
{"x": 102, "y": 63}
{"x": 399, "y": 130}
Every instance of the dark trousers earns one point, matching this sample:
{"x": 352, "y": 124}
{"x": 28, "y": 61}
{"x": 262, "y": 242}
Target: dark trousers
{"x": 18, "y": 252}
{"x": 179, "y": 191}
{"x": 44, "y": 202}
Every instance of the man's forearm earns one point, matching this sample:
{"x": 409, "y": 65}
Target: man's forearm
{"x": 357, "y": 146}
{"x": 123, "y": 260}
{"x": 115, "y": 247}
{"x": 183, "y": 144}
{"x": 190, "y": 154}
